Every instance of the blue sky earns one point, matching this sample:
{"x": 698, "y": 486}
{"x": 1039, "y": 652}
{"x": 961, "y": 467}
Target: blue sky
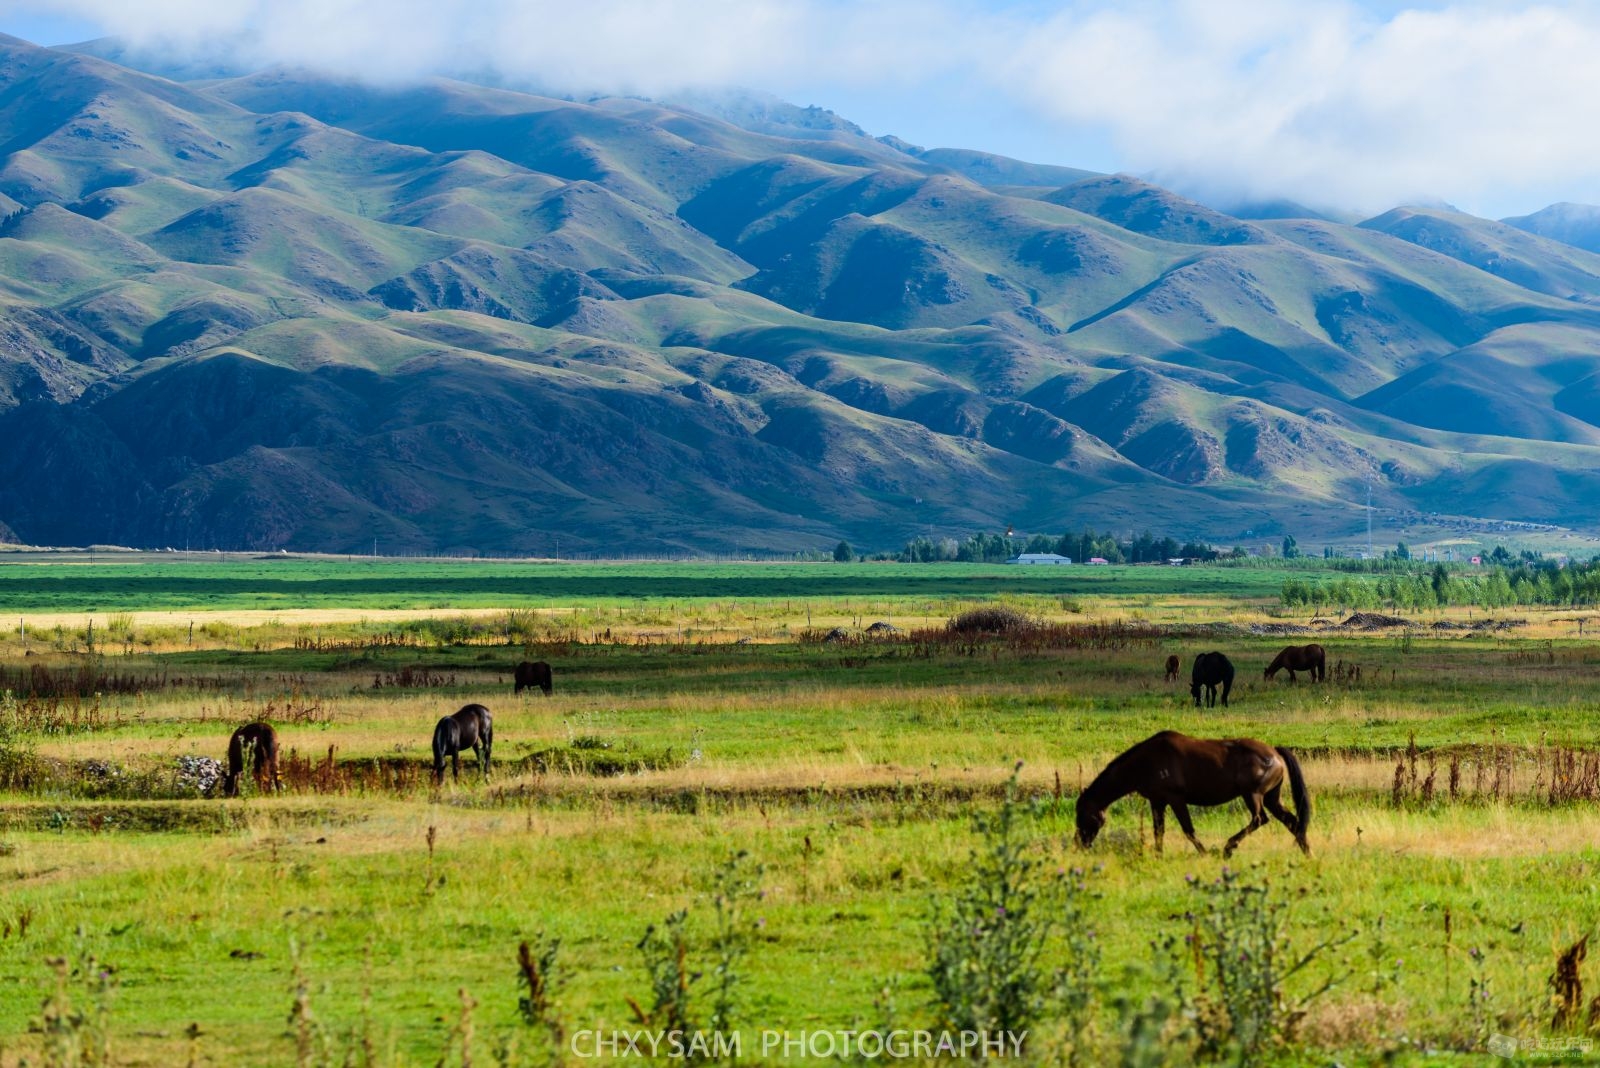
{"x": 1337, "y": 103}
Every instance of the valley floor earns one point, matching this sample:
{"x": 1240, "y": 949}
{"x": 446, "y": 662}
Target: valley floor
{"x": 363, "y": 916}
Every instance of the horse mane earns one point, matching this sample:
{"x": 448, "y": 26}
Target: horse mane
{"x": 1118, "y": 764}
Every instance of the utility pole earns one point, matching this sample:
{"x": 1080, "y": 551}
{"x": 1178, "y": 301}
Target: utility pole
{"x": 1369, "y": 519}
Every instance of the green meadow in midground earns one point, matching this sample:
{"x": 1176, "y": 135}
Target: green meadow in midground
{"x": 726, "y": 820}
{"x": 127, "y": 582}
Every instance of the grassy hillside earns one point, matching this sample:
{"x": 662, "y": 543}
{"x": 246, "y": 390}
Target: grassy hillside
{"x": 281, "y": 309}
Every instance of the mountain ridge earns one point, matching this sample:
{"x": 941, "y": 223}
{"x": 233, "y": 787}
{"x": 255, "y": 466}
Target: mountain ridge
{"x": 277, "y": 309}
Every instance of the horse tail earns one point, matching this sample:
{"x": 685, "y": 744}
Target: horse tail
{"x": 441, "y": 746}
{"x": 1297, "y": 791}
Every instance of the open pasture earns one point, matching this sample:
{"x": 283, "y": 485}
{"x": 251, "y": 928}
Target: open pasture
{"x": 363, "y": 916}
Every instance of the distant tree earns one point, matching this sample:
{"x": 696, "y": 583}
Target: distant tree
{"x": 843, "y": 554}
{"x": 1441, "y": 584}
{"x": 1291, "y": 549}
{"x": 1500, "y": 556}
{"x": 1402, "y": 551}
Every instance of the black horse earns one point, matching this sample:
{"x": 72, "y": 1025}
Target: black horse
{"x": 471, "y": 728}
{"x": 1211, "y": 670}
{"x": 256, "y": 745}
{"x": 532, "y": 673}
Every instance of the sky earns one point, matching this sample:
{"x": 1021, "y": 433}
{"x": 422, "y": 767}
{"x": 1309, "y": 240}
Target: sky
{"x": 1352, "y": 105}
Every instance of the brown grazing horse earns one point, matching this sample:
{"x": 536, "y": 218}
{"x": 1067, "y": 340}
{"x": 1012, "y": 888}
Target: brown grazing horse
{"x": 1172, "y": 769}
{"x": 1300, "y": 658}
{"x": 532, "y": 673}
{"x": 255, "y": 744}
{"x": 1173, "y": 664}
{"x": 470, "y": 728}
{"x": 1211, "y": 670}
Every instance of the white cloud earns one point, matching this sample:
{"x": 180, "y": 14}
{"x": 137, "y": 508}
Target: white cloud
{"x": 1327, "y": 103}
{"x": 1487, "y": 105}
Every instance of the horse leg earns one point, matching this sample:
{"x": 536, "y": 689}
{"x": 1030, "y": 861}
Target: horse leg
{"x": 1292, "y": 676}
{"x": 1275, "y": 806}
{"x": 1181, "y": 810}
{"x": 455, "y": 764}
{"x": 1158, "y": 822}
{"x": 1252, "y": 804}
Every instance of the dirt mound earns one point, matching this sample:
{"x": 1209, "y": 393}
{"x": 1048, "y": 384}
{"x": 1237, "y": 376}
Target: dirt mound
{"x": 1373, "y": 621}
{"x": 1481, "y": 625}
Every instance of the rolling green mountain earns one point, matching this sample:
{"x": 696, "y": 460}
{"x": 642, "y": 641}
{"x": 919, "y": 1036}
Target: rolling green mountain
{"x": 1575, "y": 224}
{"x": 281, "y": 309}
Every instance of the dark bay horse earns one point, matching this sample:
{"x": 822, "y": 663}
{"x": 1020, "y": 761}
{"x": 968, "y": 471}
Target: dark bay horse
{"x": 1300, "y": 658}
{"x": 1173, "y": 667}
{"x": 532, "y": 673}
{"x": 1172, "y": 769}
{"x": 1211, "y": 670}
{"x": 255, "y": 744}
{"x": 471, "y": 728}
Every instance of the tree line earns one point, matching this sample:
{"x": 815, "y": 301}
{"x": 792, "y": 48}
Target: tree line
{"x": 1532, "y": 581}
{"x": 1080, "y": 547}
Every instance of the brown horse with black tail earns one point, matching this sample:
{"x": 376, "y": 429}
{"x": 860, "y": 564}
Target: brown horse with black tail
{"x": 255, "y": 744}
{"x": 1174, "y": 665}
{"x": 1300, "y": 658}
{"x": 532, "y": 673}
{"x": 470, "y": 728}
{"x": 1172, "y": 770}
{"x": 1211, "y": 670}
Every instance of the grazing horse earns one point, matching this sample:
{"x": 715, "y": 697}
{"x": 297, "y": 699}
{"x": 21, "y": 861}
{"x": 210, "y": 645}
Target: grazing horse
{"x": 255, "y": 744}
{"x": 1172, "y": 769}
{"x": 1211, "y": 670}
{"x": 1173, "y": 664}
{"x": 471, "y": 728}
{"x": 1300, "y": 658}
{"x": 532, "y": 673}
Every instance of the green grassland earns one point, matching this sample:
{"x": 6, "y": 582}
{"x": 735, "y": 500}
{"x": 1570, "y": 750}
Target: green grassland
{"x": 134, "y": 583}
{"x": 1450, "y": 842}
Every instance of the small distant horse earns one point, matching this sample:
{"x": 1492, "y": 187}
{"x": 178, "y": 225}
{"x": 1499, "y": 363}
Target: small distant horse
{"x": 470, "y": 728}
{"x": 1173, "y": 664}
{"x": 532, "y": 673}
{"x": 255, "y": 744}
{"x": 1173, "y": 770}
{"x": 1300, "y": 658}
{"x": 1211, "y": 670}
